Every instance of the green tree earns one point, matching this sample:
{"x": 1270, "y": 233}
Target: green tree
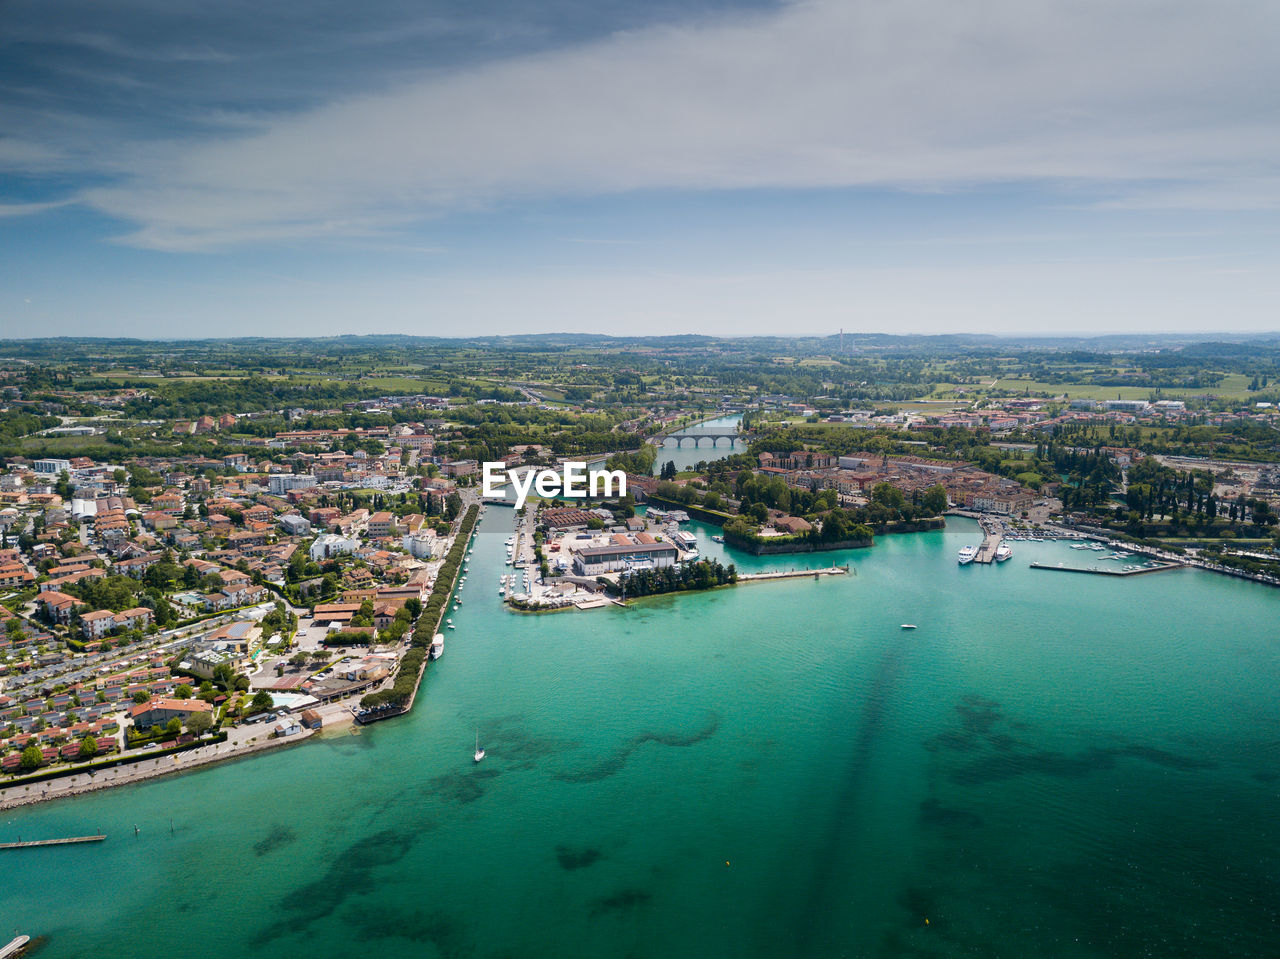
{"x": 88, "y": 747}
{"x": 183, "y": 691}
{"x": 261, "y": 701}
{"x": 141, "y": 696}
{"x": 32, "y": 757}
{"x": 199, "y": 723}
{"x": 934, "y": 500}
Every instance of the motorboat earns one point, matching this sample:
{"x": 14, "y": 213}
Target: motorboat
{"x": 967, "y": 555}
{"x": 1003, "y": 552}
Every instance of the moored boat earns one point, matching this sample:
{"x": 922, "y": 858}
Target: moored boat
{"x": 967, "y": 554}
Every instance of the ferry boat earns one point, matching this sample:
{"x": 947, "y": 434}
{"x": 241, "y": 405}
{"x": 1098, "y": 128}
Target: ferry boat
{"x": 1003, "y": 552}
{"x": 967, "y": 554}
{"x": 437, "y": 646}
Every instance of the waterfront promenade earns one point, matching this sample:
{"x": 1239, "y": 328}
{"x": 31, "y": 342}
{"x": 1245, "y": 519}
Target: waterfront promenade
{"x": 242, "y": 741}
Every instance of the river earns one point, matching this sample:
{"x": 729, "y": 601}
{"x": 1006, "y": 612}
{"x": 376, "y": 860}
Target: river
{"x": 1050, "y": 765}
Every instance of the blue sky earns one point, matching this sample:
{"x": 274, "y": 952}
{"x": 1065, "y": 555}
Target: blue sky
{"x": 174, "y": 169}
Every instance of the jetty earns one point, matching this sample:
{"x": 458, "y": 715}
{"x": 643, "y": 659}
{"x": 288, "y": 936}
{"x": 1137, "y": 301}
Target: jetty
{"x": 793, "y": 574}
{"x": 991, "y": 540}
{"x": 1099, "y": 571}
{"x": 32, "y": 843}
{"x": 14, "y": 947}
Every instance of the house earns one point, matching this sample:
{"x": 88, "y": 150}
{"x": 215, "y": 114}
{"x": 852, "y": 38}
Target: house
{"x": 295, "y": 525}
{"x": 59, "y": 606}
{"x": 159, "y": 711}
{"x": 247, "y": 537}
{"x": 381, "y": 524}
{"x": 97, "y": 624}
{"x": 288, "y": 726}
{"x": 311, "y": 719}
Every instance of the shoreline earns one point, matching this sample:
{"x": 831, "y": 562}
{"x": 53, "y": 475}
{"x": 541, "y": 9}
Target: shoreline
{"x": 71, "y": 786}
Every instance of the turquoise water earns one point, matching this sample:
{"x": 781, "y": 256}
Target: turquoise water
{"x": 1051, "y": 765}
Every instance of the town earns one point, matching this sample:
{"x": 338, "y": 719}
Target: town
{"x": 198, "y": 568}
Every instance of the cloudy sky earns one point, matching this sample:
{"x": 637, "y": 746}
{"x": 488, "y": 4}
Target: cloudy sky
{"x": 448, "y": 167}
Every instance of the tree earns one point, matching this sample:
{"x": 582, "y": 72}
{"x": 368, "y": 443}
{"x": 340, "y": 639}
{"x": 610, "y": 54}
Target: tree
{"x": 141, "y": 696}
{"x": 887, "y": 495}
{"x": 261, "y": 701}
{"x": 88, "y": 747}
{"x": 183, "y": 691}
{"x": 199, "y": 723}
{"x": 934, "y": 500}
{"x": 32, "y": 757}
{"x": 173, "y": 726}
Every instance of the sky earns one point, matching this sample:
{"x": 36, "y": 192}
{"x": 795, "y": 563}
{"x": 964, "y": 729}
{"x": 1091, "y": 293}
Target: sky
{"x": 466, "y": 167}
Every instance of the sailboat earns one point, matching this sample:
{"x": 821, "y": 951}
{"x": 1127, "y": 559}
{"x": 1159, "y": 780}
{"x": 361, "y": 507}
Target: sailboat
{"x": 479, "y": 752}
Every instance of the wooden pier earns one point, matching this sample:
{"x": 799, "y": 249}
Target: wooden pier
{"x": 1099, "y": 571}
{"x": 31, "y": 843}
{"x": 14, "y": 947}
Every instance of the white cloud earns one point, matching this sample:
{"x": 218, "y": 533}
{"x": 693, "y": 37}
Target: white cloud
{"x": 912, "y": 94}
{"x": 28, "y": 209}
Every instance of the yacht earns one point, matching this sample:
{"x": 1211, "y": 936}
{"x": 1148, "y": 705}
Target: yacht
{"x": 1003, "y": 552}
{"x": 908, "y": 626}
{"x": 437, "y": 645}
{"x": 479, "y": 752}
{"x": 967, "y": 554}
{"x": 717, "y": 538}
{"x": 1079, "y": 546}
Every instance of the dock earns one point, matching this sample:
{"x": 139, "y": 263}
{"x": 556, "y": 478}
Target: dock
{"x": 991, "y": 540}
{"x": 32, "y": 843}
{"x": 1099, "y": 571}
{"x": 14, "y": 947}
{"x": 793, "y": 574}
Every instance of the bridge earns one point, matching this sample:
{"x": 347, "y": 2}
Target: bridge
{"x": 698, "y": 435}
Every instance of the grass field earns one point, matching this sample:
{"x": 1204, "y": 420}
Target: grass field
{"x": 1233, "y": 386}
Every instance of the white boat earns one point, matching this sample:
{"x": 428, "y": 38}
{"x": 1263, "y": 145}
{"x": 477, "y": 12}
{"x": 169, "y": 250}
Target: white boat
{"x": 908, "y": 626}
{"x": 717, "y": 538}
{"x": 437, "y": 645}
{"x": 1079, "y": 546}
{"x": 451, "y": 626}
{"x": 479, "y": 752}
{"x": 1003, "y": 552}
{"x": 967, "y": 554}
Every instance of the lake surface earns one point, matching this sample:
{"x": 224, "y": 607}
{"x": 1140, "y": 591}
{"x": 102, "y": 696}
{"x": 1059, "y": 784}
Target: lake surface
{"x": 1050, "y": 765}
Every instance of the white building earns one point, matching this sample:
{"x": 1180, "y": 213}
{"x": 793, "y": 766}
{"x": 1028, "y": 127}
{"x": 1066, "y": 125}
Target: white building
{"x": 51, "y": 467}
{"x": 331, "y": 544}
{"x": 423, "y": 544}
{"x": 282, "y": 483}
